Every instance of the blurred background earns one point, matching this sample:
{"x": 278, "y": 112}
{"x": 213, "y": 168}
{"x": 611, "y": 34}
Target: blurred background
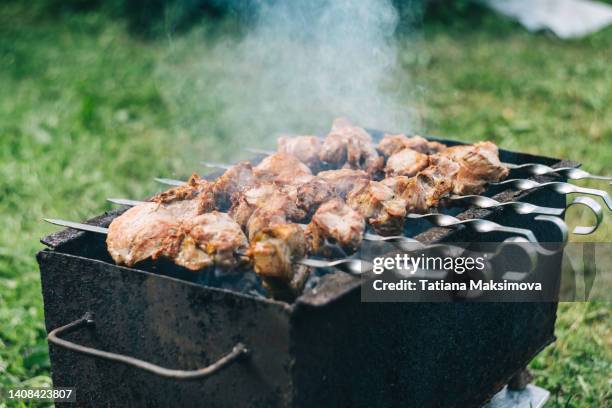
{"x": 98, "y": 97}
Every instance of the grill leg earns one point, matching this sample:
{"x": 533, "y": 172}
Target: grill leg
{"x": 519, "y": 393}
{"x": 520, "y": 380}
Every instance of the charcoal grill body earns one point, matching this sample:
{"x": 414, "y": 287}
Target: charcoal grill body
{"x": 326, "y": 349}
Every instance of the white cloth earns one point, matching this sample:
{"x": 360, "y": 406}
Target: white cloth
{"x": 565, "y": 18}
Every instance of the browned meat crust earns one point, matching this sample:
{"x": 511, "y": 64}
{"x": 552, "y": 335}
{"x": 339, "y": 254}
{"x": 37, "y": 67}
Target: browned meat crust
{"x": 274, "y": 251}
{"x": 312, "y": 194}
{"x": 305, "y": 148}
{"x": 282, "y": 168}
{"x": 195, "y": 188}
{"x": 235, "y": 180}
{"x": 336, "y": 223}
{"x": 406, "y": 162}
{"x": 343, "y": 181}
{"x": 479, "y": 164}
{"x": 211, "y": 239}
{"x": 424, "y": 191}
{"x": 391, "y": 144}
{"x": 379, "y": 205}
{"x": 351, "y": 147}
{"x": 175, "y": 231}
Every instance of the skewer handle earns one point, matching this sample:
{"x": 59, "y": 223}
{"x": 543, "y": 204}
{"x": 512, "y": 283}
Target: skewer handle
{"x": 556, "y": 186}
{"x": 571, "y": 173}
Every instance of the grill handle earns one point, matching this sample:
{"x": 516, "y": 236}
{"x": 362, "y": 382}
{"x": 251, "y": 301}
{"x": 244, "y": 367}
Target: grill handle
{"x": 239, "y": 351}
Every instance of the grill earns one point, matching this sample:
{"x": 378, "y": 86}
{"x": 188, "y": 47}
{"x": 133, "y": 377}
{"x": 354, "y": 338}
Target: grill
{"x": 325, "y": 349}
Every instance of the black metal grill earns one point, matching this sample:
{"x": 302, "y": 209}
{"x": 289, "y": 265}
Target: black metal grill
{"x": 325, "y": 349}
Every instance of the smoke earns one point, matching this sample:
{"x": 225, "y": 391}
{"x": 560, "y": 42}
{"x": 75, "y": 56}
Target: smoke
{"x": 297, "y": 66}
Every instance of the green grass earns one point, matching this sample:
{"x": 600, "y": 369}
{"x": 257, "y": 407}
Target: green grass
{"x": 88, "y": 111}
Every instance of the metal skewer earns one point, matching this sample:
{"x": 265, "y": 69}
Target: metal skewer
{"x": 486, "y": 226}
{"x": 222, "y": 166}
{"x": 571, "y": 173}
{"x": 170, "y": 182}
{"x": 556, "y": 186}
{"x": 523, "y": 208}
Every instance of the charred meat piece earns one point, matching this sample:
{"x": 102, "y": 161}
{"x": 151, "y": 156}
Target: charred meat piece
{"x": 378, "y": 204}
{"x": 350, "y": 147}
{"x": 265, "y": 217}
{"x": 336, "y": 223}
{"x": 274, "y": 251}
{"x": 211, "y": 239}
{"x": 282, "y": 168}
{"x": 312, "y": 194}
{"x": 244, "y": 204}
{"x": 391, "y": 144}
{"x": 343, "y": 181}
{"x": 478, "y": 164}
{"x": 406, "y": 162}
{"x": 424, "y": 191}
{"x": 238, "y": 178}
{"x": 146, "y": 231}
{"x": 175, "y": 231}
{"x": 305, "y": 148}
{"x": 270, "y": 198}
{"x": 195, "y": 188}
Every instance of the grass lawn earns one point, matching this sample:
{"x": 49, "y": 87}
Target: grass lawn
{"x": 88, "y": 112}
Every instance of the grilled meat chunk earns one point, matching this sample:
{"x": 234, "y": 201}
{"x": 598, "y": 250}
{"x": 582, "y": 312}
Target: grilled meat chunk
{"x": 406, "y": 162}
{"x": 424, "y": 191}
{"x": 336, "y": 223}
{"x": 305, "y": 148}
{"x": 391, "y": 144}
{"x": 271, "y": 199}
{"x": 144, "y": 232}
{"x": 478, "y": 164}
{"x": 274, "y": 251}
{"x": 343, "y": 181}
{"x": 238, "y": 178}
{"x": 211, "y": 239}
{"x": 175, "y": 231}
{"x": 282, "y": 168}
{"x": 312, "y": 194}
{"x": 195, "y": 188}
{"x": 379, "y": 205}
{"x": 350, "y": 147}
{"x": 265, "y": 217}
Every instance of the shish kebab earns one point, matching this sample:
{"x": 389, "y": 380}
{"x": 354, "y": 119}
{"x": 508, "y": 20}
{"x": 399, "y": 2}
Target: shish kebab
{"x": 280, "y": 289}
{"x": 405, "y": 156}
{"x": 182, "y": 225}
{"x": 266, "y": 211}
{"x": 336, "y": 149}
{"x": 373, "y": 198}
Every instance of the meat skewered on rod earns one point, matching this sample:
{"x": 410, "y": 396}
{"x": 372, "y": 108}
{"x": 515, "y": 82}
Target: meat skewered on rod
{"x": 261, "y": 252}
{"x": 394, "y": 144}
{"x": 478, "y": 201}
{"x": 352, "y": 266}
{"x": 337, "y": 221}
{"x": 367, "y": 236}
{"x": 520, "y": 184}
{"x": 433, "y": 184}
